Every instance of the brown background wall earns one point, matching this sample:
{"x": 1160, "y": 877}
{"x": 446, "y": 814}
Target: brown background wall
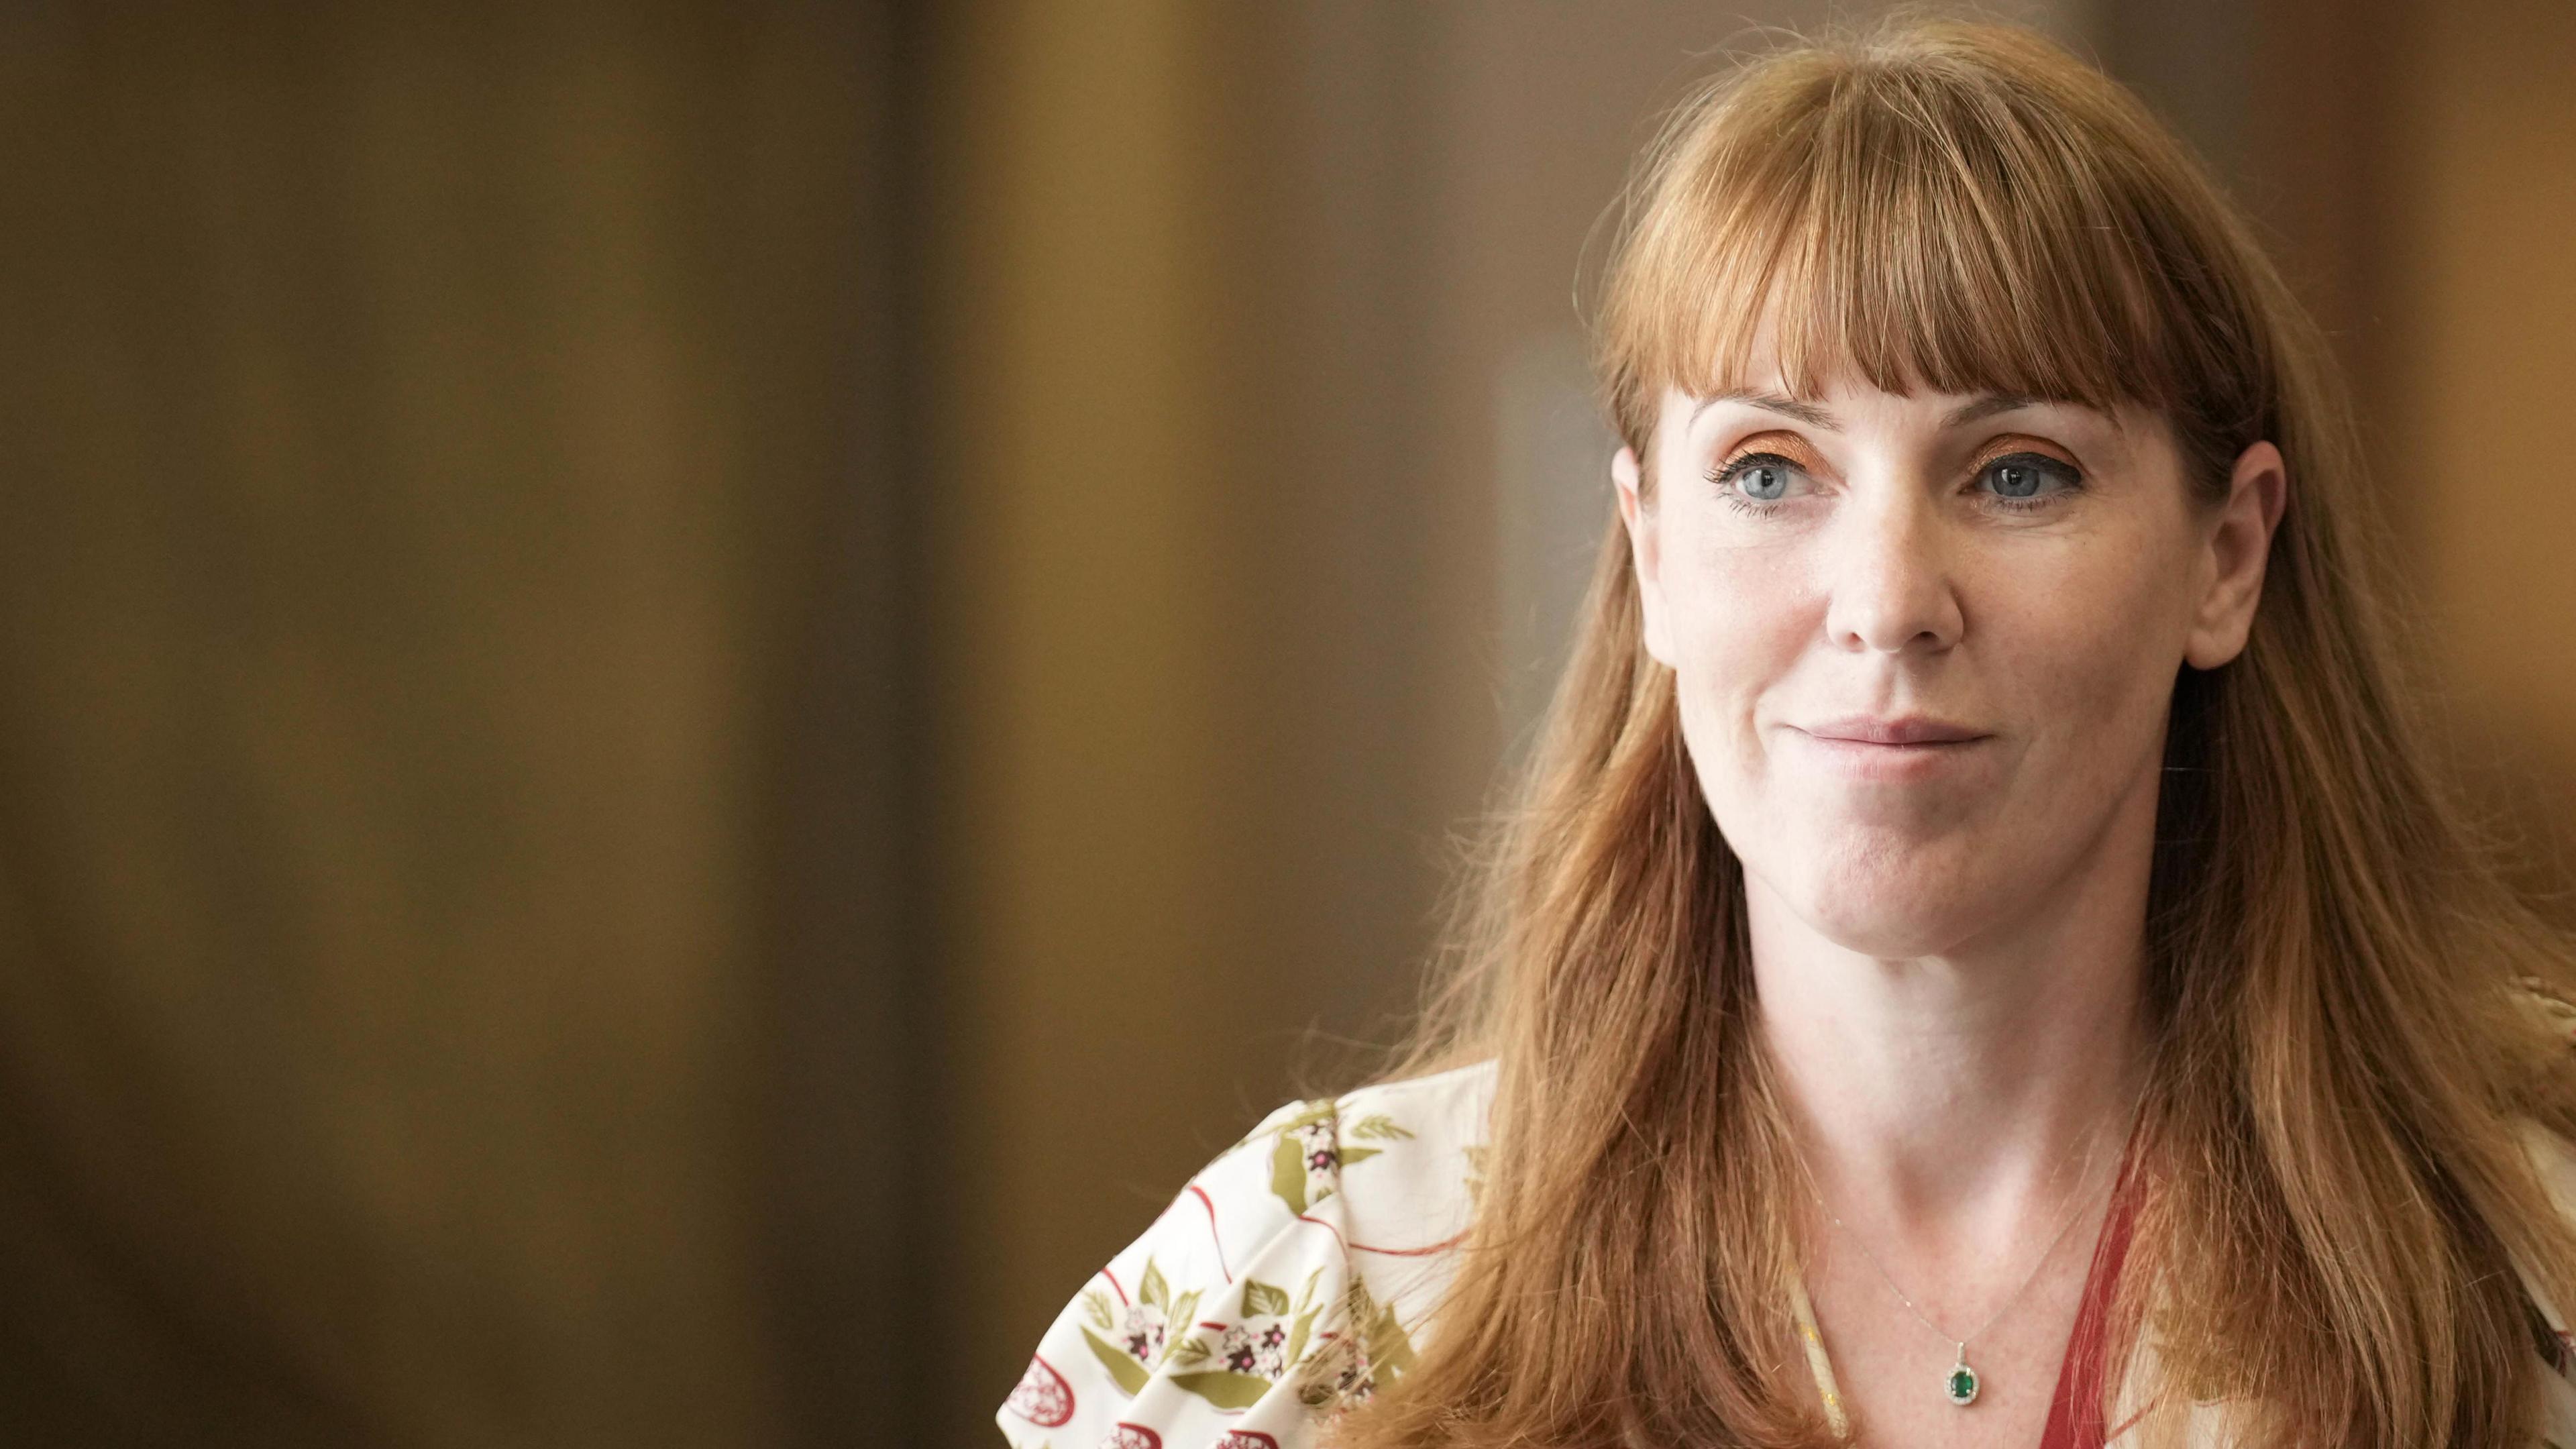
{"x": 419, "y": 426}
{"x": 695, "y": 692}
{"x": 2476, "y": 376}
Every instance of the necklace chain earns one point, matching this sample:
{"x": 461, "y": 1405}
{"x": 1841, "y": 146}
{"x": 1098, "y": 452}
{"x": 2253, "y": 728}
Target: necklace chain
{"x": 2033, "y": 1276}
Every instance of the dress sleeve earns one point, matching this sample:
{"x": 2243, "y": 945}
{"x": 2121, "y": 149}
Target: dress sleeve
{"x": 2555, "y": 1160}
{"x": 1228, "y": 1325}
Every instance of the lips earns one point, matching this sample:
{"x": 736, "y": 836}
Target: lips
{"x": 1904, "y": 730}
{"x": 1907, "y": 750}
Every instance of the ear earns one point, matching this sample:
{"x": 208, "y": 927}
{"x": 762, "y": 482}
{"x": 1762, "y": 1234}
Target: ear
{"x": 1645, "y": 554}
{"x": 2238, "y": 543}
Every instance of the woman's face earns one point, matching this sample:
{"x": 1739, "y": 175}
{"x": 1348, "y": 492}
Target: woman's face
{"x": 1923, "y": 644}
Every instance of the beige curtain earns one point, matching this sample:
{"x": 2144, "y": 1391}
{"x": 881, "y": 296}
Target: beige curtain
{"x": 419, "y": 429}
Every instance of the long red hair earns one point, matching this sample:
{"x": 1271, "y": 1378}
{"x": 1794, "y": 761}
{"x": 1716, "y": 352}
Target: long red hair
{"x": 2340, "y": 1192}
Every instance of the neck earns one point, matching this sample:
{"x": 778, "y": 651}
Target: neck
{"x": 1968, "y": 1097}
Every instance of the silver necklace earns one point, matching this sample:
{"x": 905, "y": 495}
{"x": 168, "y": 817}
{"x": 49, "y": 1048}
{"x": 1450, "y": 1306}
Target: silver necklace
{"x": 1961, "y": 1382}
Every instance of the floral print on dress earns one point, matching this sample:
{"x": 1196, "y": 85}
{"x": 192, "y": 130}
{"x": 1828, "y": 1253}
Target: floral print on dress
{"x": 1135, "y": 1336}
{"x": 1280, "y": 1287}
{"x": 1142, "y": 1329}
{"x": 1261, "y": 1302}
{"x": 1306, "y": 1165}
{"x": 1233, "y": 1365}
{"x": 1368, "y": 1351}
{"x": 1043, "y": 1397}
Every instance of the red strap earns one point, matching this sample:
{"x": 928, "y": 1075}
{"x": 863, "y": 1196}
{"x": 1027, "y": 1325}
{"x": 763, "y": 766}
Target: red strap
{"x": 2075, "y": 1411}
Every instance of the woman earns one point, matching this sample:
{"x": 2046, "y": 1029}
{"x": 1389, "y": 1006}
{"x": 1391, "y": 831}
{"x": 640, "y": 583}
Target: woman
{"x": 1980, "y": 957}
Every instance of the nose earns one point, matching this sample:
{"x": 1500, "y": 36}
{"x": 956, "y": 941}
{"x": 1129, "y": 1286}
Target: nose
{"x": 1892, "y": 585}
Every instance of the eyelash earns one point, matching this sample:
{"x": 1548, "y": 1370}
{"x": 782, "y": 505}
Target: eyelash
{"x": 2070, "y": 479}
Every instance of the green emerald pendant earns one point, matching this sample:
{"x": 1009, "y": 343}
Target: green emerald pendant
{"x": 1961, "y": 1385}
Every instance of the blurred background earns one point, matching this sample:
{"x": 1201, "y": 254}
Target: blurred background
{"x": 691, "y": 693}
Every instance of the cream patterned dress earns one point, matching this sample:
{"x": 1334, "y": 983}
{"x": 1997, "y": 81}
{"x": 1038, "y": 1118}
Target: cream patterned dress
{"x": 1297, "y": 1273}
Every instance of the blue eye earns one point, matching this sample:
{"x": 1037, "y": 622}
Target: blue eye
{"x": 2016, "y": 480}
{"x": 1765, "y": 481}
{"x": 1754, "y": 480}
{"x": 2022, "y": 479}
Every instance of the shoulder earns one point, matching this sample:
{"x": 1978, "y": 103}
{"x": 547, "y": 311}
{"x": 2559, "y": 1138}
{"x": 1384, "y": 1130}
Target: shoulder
{"x": 2553, "y": 1016}
{"x": 1409, "y": 1155}
{"x": 1393, "y": 1164}
{"x": 2553, "y": 1159}
{"x": 1291, "y": 1274}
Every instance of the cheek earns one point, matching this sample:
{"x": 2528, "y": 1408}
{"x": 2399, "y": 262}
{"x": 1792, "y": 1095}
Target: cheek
{"x": 1730, "y": 606}
{"x": 2091, "y": 649}
{"x": 1740, "y": 620}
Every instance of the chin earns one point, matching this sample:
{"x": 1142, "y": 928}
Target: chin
{"x": 1891, "y": 937}
{"x": 1887, "y": 906}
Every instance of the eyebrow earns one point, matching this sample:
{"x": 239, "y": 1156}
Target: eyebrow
{"x": 1817, "y": 417}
